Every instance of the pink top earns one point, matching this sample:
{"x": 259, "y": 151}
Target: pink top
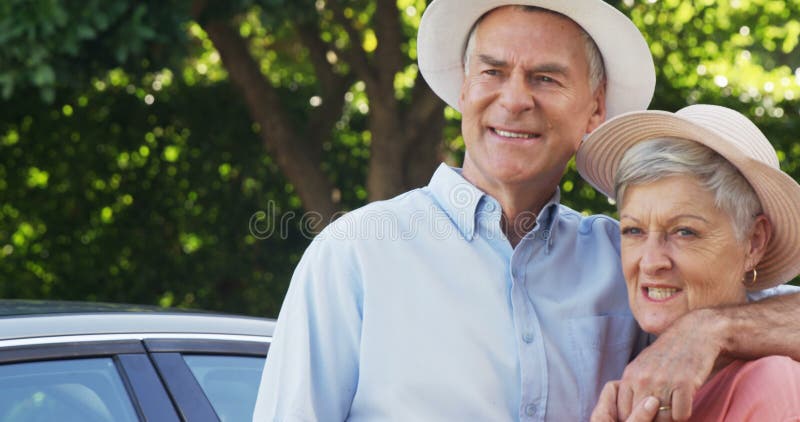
{"x": 767, "y": 389}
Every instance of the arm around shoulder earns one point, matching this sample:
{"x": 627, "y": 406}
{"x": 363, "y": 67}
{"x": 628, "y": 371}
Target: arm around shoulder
{"x": 770, "y": 326}
{"x": 311, "y": 371}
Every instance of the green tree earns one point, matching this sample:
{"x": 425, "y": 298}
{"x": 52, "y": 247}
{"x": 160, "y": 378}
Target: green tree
{"x": 293, "y": 63}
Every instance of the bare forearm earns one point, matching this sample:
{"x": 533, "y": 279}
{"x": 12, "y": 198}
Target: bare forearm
{"x": 767, "y": 327}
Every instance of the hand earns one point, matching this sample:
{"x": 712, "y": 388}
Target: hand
{"x": 606, "y": 408}
{"x": 672, "y": 368}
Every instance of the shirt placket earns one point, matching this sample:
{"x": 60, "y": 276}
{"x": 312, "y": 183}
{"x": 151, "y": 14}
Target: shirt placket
{"x": 532, "y": 358}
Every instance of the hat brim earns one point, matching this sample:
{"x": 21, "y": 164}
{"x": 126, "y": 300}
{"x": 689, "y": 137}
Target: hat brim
{"x": 630, "y": 73}
{"x": 598, "y": 158}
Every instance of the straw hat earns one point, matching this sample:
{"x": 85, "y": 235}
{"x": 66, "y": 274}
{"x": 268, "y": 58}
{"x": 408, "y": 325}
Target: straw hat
{"x": 734, "y": 137}
{"x": 630, "y": 73}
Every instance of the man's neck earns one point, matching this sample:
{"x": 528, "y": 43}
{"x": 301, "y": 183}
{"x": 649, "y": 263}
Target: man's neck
{"x": 520, "y": 212}
{"x": 521, "y": 204}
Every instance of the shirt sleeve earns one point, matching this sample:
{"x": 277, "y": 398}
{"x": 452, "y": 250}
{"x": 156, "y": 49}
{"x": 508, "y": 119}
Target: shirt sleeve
{"x": 311, "y": 371}
{"x": 766, "y": 389}
{"x": 783, "y": 289}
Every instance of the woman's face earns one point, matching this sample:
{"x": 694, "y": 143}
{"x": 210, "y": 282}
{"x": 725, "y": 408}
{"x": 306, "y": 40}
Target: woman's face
{"x": 679, "y": 252}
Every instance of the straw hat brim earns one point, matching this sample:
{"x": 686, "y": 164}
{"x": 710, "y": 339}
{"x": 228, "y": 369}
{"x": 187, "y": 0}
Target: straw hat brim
{"x": 630, "y": 73}
{"x": 599, "y": 156}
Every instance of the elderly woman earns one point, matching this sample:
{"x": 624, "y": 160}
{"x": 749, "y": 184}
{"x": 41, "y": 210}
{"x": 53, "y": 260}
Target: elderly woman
{"x": 706, "y": 215}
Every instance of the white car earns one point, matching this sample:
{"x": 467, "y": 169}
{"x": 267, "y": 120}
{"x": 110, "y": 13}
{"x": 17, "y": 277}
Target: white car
{"x": 89, "y": 362}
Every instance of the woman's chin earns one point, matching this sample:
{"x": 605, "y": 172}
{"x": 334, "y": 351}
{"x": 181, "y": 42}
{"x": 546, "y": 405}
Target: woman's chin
{"x": 657, "y": 326}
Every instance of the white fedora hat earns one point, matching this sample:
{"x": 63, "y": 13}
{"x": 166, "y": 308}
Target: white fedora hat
{"x": 630, "y": 73}
{"x": 734, "y": 137}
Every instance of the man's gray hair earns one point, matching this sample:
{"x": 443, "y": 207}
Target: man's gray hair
{"x": 597, "y": 70}
{"x": 657, "y": 158}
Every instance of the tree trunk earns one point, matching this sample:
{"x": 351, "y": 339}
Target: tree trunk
{"x": 299, "y": 159}
{"x": 406, "y": 139}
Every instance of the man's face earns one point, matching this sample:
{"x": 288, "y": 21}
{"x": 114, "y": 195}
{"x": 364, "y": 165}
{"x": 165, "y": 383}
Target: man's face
{"x": 526, "y": 100}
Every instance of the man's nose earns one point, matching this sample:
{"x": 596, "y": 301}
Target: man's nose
{"x": 516, "y": 95}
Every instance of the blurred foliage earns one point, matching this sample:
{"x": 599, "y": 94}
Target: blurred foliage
{"x": 741, "y": 54}
{"x": 47, "y": 43}
{"x": 130, "y": 171}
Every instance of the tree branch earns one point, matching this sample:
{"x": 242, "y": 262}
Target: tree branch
{"x": 355, "y": 55}
{"x": 299, "y": 160}
{"x": 425, "y": 106}
{"x": 389, "y": 57}
{"x": 333, "y": 85}
{"x": 318, "y": 52}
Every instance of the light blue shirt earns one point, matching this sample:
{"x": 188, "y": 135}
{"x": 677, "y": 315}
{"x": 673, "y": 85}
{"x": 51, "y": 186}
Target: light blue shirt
{"x": 418, "y": 309}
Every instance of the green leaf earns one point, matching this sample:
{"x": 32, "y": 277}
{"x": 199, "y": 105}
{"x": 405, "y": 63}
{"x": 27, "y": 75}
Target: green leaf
{"x": 85, "y": 31}
{"x": 43, "y": 75}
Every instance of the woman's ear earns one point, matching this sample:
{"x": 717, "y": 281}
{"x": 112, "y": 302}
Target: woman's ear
{"x": 757, "y": 241}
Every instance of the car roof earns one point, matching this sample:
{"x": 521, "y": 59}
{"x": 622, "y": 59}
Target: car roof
{"x": 21, "y": 319}
{"x": 15, "y": 307}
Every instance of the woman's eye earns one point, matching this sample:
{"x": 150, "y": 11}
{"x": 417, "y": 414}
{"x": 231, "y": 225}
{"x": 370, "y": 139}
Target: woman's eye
{"x": 683, "y": 231}
{"x": 631, "y": 231}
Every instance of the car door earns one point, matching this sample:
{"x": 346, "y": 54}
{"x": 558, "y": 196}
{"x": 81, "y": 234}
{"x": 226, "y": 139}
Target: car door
{"x": 210, "y": 379}
{"x": 86, "y": 381}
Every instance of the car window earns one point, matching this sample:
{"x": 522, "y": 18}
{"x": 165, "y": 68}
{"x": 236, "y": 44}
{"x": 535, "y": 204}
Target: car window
{"x": 85, "y": 390}
{"x": 230, "y": 383}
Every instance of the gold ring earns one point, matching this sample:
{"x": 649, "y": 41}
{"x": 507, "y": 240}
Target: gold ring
{"x": 664, "y": 408}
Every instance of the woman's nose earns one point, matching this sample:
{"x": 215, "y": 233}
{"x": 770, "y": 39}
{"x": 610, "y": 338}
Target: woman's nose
{"x": 654, "y": 254}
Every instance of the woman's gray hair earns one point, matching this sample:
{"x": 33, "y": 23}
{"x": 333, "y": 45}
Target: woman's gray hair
{"x": 597, "y": 69}
{"x": 657, "y": 158}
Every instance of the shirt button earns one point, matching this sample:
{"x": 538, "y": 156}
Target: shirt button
{"x": 527, "y": 337}
{"x": 530, "y": 410}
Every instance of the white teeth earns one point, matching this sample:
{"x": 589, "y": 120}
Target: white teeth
{"x": 658, "y": 293}
{"x": 514, "y": 134}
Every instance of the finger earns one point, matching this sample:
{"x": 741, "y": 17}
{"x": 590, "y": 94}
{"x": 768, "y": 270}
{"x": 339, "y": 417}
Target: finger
{"x": 624, "y": 402}
{"x": 606, "y": 408}
{"x": 681, "y": 404}
{"x": 646, "y": 411}
{"x": 665, "y": 406}
{"x": 663, "y": 414}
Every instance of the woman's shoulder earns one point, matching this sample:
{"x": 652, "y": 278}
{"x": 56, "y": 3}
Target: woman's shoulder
{"x": 769, "y": 369}
{"x": 758, "y": 390}
{"x": 765, "y": 389}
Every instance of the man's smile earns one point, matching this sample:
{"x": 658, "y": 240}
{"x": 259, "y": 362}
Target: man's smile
{"x": 514, "y": 134}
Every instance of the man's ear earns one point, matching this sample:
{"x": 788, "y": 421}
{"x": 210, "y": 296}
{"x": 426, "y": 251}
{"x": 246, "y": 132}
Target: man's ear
{"x": 598, "y": 115}
{"x": 463, "y": 90}
{"x": 757, "y": 241}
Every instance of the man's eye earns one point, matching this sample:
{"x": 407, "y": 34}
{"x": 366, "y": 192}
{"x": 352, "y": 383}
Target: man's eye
{"x": 491, "y": 72}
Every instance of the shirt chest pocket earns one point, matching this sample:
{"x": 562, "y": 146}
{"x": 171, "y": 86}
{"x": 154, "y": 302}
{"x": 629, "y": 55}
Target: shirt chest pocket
{"x": 602, "y": 346}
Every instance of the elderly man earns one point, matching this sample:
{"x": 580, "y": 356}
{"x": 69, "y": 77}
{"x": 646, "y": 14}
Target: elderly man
{"x": 480, "y": 297}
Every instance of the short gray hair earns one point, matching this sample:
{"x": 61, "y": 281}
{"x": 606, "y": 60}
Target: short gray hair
{"x": 597, "y": 69}
{"x": 657, "y": 158}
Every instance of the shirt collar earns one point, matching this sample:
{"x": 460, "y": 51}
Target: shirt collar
{"x": 460, "y": 199}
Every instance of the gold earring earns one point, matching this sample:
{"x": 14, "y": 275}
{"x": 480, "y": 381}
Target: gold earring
{"x": 753, "y": 281}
